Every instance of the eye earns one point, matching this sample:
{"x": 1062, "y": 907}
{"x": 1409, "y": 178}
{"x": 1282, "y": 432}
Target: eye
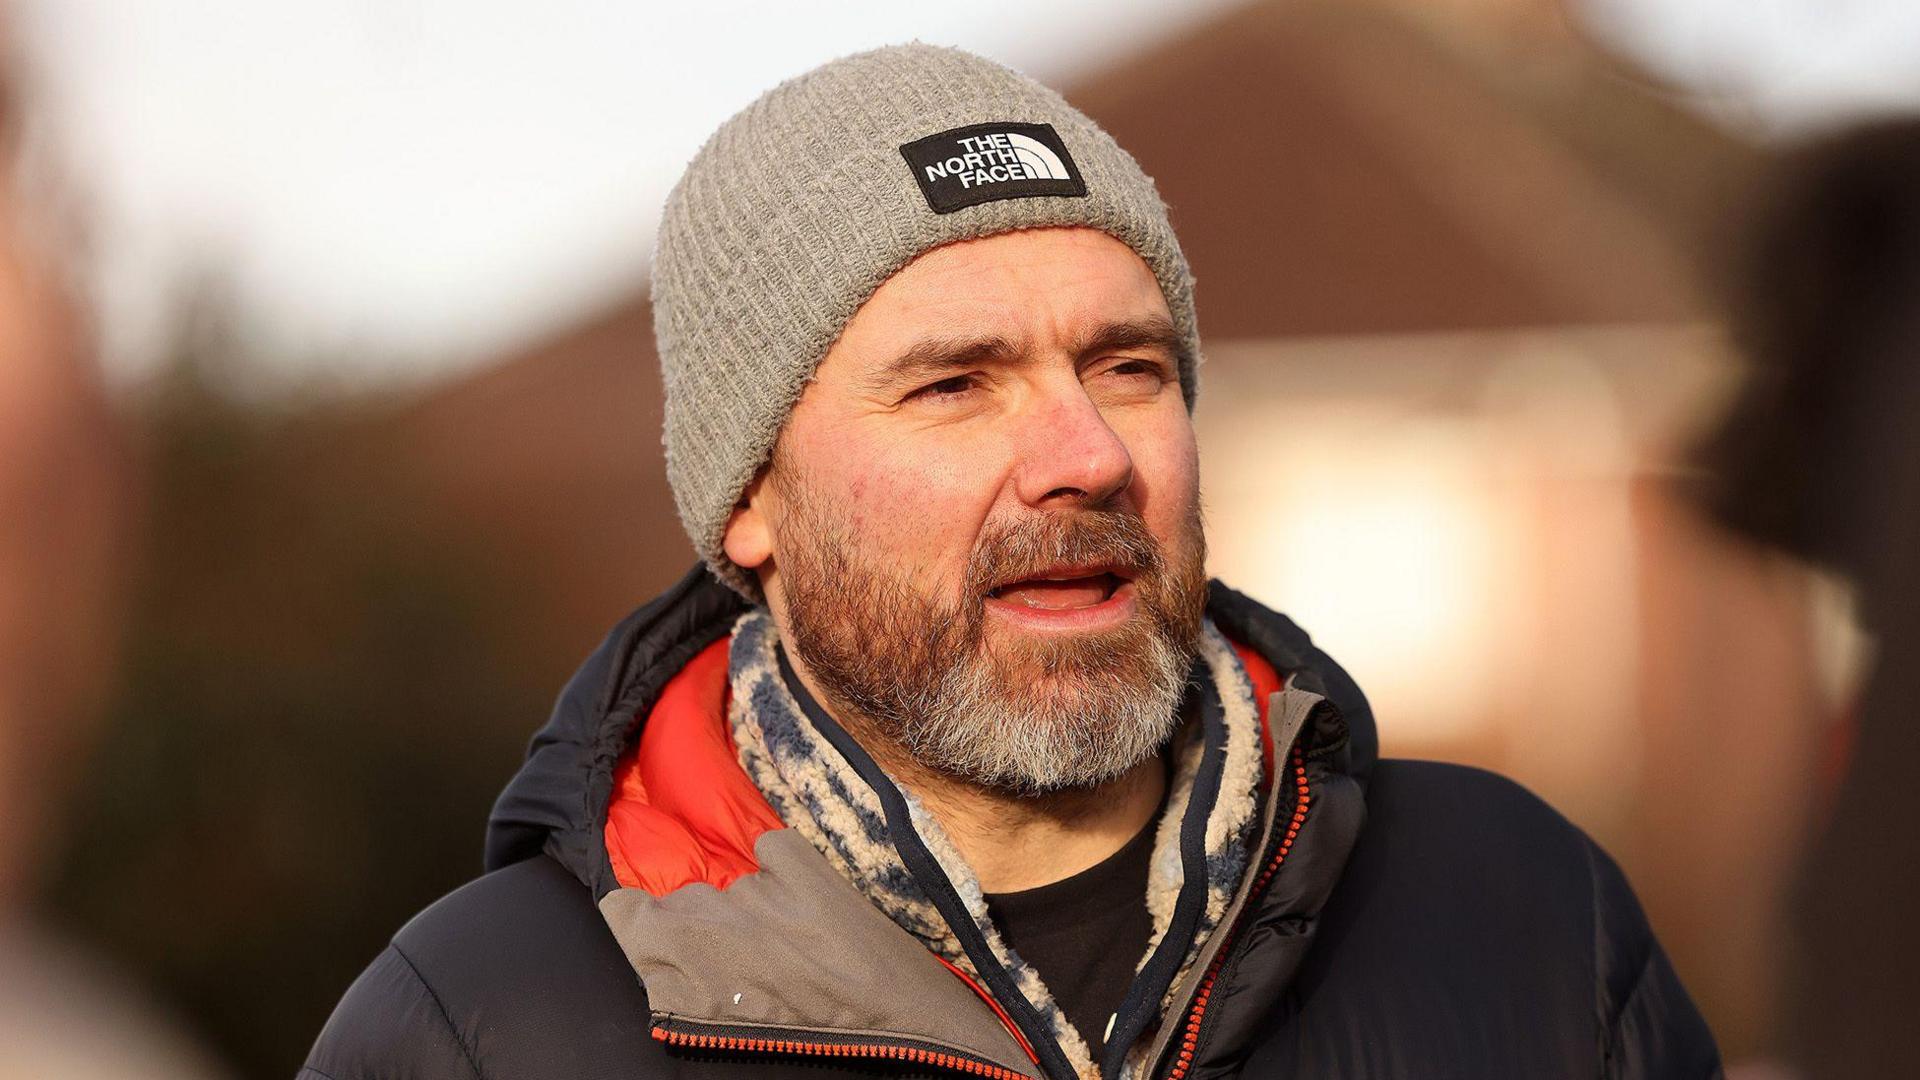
{"x": 947, "y": 389}
{"x": 1138, "y": 371}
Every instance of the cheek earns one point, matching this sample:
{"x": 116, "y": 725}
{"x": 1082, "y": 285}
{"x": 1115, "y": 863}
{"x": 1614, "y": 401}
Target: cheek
{"x": 1166, "y": 470}
{"x": 920, "y": 511}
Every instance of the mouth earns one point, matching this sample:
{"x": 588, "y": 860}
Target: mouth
{"x": 1064, "y": 588}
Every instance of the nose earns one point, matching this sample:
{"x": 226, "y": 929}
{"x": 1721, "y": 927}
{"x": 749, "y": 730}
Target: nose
{"x": 1070, "y": 455}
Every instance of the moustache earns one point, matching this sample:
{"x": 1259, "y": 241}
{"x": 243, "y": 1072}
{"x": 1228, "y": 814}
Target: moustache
{"x": 1064, "y": 544}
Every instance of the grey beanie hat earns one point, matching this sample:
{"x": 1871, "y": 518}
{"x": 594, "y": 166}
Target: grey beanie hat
{"x": 802, "y": 204}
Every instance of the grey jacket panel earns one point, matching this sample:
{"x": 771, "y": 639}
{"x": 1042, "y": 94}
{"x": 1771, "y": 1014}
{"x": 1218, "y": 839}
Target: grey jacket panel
{"x": 795, "y": 947}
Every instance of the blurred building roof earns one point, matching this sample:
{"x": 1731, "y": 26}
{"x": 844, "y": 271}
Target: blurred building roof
{"x": 1341, "y": 168}
{"x": 1333, "y": 169}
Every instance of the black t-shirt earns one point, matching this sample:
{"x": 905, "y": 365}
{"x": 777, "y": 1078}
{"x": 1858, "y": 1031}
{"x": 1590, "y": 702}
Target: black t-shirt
{"x": 1085, "y": 934}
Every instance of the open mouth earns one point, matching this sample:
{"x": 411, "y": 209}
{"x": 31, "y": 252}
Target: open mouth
{"x": 1060, "y": 591}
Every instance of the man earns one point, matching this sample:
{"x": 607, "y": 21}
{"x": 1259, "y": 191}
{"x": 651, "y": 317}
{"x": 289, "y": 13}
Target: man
{"x": 950, "y": 760}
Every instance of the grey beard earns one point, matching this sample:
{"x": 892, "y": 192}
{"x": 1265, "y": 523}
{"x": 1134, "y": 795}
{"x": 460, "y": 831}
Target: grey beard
{"x": 974, "y": 726}
{"x": 1059, "y": 715}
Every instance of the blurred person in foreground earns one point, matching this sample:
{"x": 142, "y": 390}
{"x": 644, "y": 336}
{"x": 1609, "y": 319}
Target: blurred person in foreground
{"x": 65, "y": 513}
{"x": 949, "y": 759}
{"x": 1820, "y": 456}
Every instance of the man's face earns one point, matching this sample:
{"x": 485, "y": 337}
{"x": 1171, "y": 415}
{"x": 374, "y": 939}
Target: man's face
{"x": 980, "y": 530}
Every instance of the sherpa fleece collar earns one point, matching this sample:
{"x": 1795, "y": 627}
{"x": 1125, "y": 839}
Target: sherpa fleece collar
{"x": 839, "y": 802}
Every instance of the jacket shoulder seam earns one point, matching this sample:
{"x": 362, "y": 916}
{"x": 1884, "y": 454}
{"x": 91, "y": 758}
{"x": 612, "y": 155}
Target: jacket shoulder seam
{"x": 1626, "y": 1003}
{"x": 1607, "y": 1010}
{"x": 466, "y": 1052}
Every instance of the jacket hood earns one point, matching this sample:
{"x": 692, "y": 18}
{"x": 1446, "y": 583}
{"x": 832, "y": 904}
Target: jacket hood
{"x": 558, "y": 800}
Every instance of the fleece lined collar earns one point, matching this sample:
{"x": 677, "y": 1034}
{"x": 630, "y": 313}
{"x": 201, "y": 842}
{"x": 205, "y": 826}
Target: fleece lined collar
{"x": 883, "y": 840}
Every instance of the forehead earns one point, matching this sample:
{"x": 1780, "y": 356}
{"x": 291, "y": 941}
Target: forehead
{"x": 1033, "y": 286}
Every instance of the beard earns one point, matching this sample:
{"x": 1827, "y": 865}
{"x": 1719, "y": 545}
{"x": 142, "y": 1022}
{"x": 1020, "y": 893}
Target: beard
{"x": 1018, "y": 715}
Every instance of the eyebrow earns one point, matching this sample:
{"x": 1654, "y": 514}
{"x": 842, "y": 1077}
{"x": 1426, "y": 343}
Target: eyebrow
{"x": 936, "y": 357}
{"x": 1147, "y": 332}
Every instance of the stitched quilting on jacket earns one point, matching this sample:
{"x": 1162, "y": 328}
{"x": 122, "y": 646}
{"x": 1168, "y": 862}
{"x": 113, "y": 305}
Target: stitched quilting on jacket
{"x": 648, "y": 912}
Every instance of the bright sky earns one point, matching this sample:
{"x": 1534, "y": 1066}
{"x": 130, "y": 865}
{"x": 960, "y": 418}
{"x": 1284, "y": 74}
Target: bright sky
{"x": 396, "y": 187}
{"x": 1779, "y": 66}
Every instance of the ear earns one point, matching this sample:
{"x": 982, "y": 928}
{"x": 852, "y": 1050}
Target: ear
{"x": 748, "y": 540}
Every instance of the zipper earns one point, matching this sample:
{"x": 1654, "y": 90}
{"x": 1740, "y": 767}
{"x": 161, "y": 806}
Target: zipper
{"x": 1197, "y": 1011}
{"x": 817, "y": 1044}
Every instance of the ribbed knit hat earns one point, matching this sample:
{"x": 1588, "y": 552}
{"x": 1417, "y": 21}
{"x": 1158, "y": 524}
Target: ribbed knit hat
{"x": 802, "y": 204}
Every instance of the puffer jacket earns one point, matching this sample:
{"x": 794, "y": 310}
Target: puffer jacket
{"x": 1399, "y": 919}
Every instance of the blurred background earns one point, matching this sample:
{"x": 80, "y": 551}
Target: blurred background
{"x": 329, "y": 428}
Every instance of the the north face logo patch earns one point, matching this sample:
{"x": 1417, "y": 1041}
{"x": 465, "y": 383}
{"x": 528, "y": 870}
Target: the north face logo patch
{"x": 983, "y": 162}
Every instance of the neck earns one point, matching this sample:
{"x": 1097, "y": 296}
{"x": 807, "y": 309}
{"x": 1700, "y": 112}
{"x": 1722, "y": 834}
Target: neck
{"x": 1013, "y": 842}
{"x": 1016, "y": 842}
